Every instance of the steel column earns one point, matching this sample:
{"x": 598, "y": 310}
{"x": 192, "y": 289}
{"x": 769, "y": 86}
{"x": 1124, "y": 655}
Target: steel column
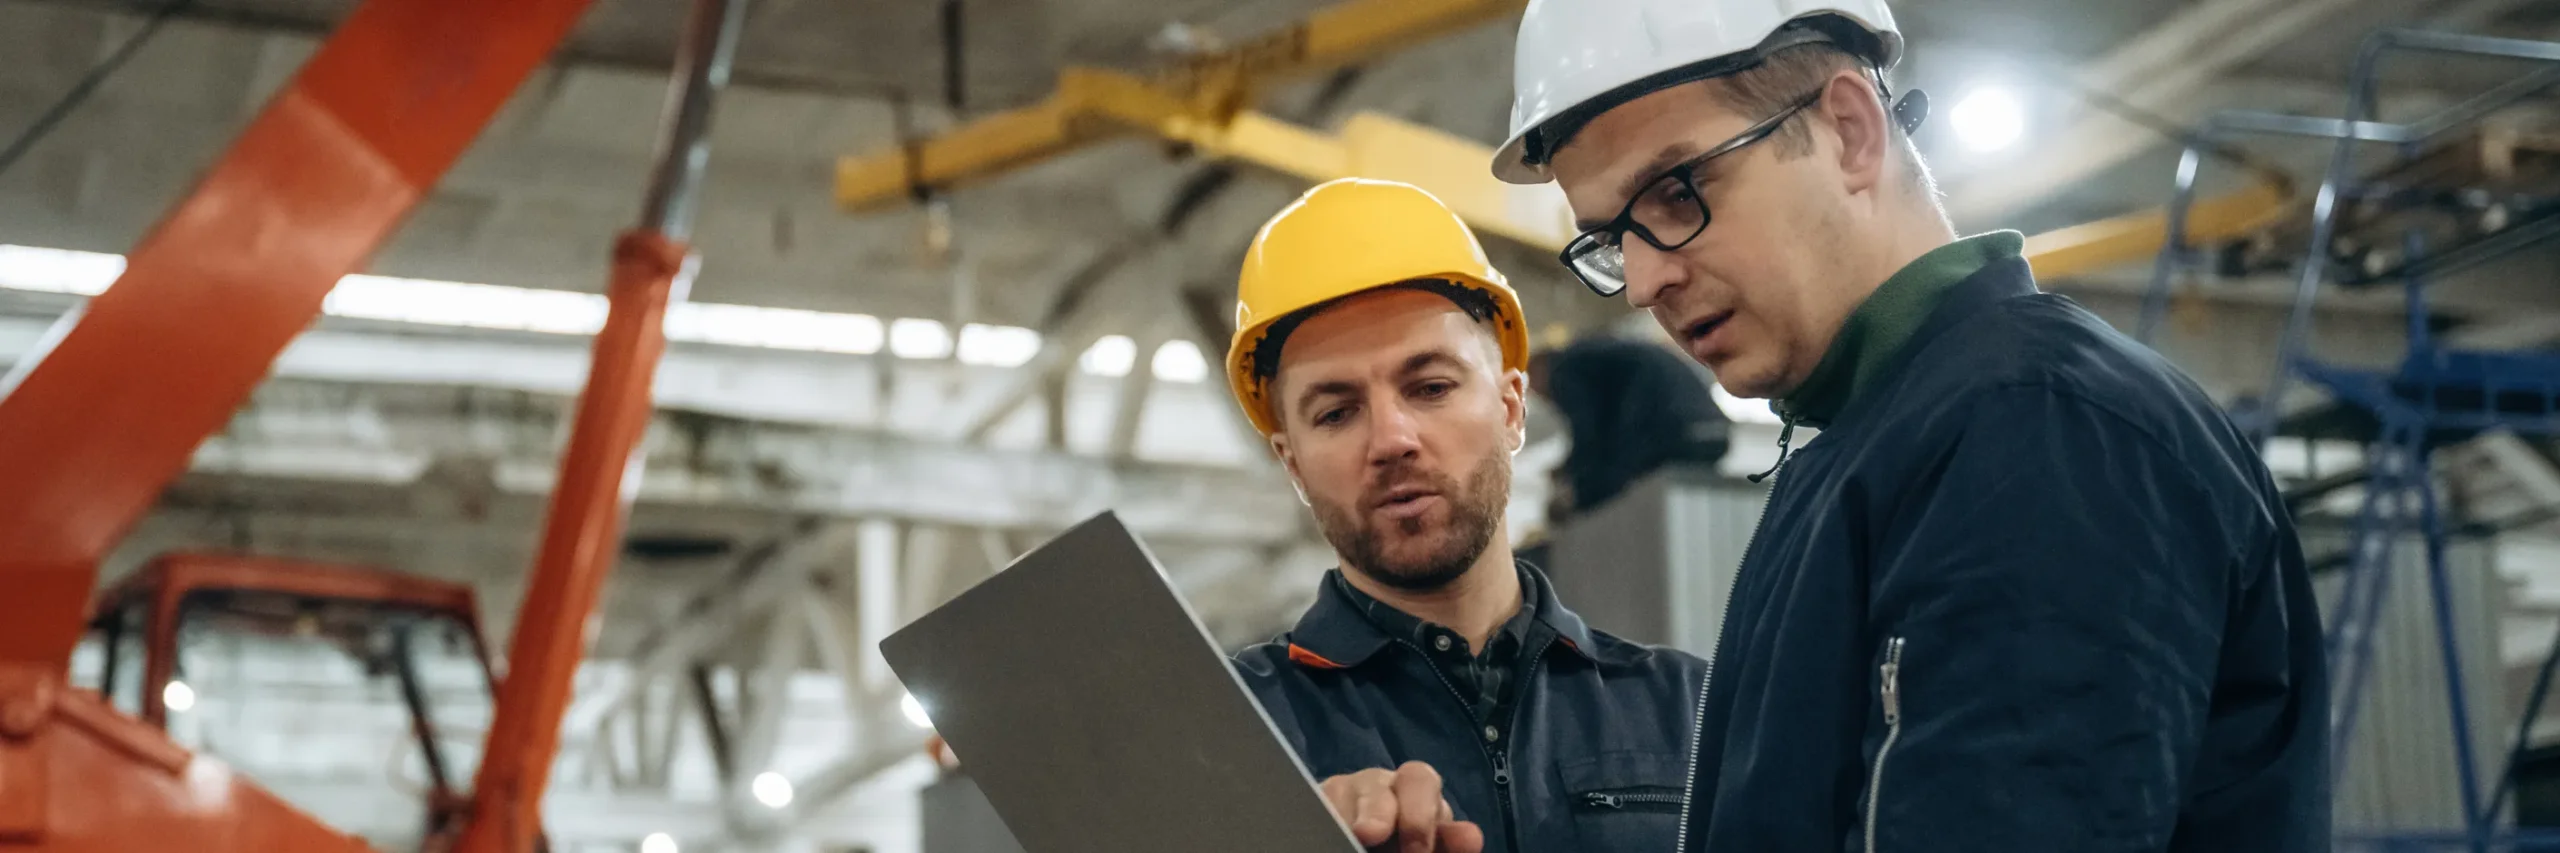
{"x": 2359, "y": 610}
{"x": 2440, "y": 589}
{"x": 583, "y": 534}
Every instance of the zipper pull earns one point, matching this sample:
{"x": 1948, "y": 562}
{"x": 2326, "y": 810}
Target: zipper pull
{"x": 1501, "y": 770}
{"x": 1786, "y": 434}
{"x": 1892, "y": 672}
{"x": 1600, "y": 800}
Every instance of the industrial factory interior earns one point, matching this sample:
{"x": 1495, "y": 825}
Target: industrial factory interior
{"x": 511, "y": 425}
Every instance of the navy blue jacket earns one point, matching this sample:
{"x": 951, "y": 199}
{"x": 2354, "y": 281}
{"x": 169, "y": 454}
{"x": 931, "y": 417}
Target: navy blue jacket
{"x": 1597, "y": 758}
{"x": 2031, "y": 592}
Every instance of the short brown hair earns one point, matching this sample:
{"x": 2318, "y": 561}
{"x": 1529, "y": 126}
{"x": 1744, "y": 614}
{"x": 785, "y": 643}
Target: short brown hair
{"x": 1790, "y": 73}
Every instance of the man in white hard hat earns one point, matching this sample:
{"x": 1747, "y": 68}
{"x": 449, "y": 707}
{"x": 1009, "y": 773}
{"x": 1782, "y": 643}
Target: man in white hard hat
{"x": 2029, "y": 589}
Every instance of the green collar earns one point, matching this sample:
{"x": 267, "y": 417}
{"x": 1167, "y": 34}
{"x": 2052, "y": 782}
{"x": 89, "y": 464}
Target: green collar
{"x": 1874, "y": 335}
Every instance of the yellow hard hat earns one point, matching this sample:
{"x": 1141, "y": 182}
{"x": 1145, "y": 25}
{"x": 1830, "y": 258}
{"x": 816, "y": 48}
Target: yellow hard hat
{"x": 1344, "y": 237}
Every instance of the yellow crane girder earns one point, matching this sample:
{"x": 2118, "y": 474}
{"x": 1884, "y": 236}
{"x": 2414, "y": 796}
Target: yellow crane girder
{"x": 1212, "y": 87}
{"x": 1455, "y": 169}
{"x": 1200, "y": 104}
{"x": 2091, "y": 246}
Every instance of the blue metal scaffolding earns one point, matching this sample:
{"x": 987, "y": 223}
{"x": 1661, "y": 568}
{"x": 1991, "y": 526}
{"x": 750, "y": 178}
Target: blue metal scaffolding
{"x": 2435, "y": 396}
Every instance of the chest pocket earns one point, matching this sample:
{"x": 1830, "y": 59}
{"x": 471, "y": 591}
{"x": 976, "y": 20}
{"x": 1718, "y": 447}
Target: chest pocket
{"x": 1625, "y": 800}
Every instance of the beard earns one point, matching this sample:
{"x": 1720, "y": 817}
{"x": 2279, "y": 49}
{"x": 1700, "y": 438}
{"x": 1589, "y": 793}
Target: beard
{"x": 1433, "y": 555}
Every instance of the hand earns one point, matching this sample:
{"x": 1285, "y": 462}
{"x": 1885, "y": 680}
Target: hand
{"x": 1402, "y": 806}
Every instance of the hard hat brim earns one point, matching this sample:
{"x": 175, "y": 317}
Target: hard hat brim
{"x": 1510, "y": 328}
{"x": 1573, "y": 93}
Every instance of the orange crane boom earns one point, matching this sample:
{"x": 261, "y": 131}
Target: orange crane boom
{"x": 123, "y": 390}
{"x": 114, "y": 408}
{"x": 583, "y": 534}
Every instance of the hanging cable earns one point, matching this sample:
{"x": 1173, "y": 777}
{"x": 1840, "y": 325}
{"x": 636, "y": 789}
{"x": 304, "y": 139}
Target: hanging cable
{"x": 54, "y": 114}
{"x": 954, "y": 80}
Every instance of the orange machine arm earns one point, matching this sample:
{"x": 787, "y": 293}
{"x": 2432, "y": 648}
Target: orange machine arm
{"x": 583, "y": 535}
{"x": 115, "y": 408}
{"x": 123, "y": 391}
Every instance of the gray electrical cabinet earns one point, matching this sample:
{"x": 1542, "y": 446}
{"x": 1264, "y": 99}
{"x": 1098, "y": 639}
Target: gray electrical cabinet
{"x": 1654, "y": 564}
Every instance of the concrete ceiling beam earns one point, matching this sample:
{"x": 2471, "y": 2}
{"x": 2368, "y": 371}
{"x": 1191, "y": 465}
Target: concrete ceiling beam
{"x": 813, "y": 472}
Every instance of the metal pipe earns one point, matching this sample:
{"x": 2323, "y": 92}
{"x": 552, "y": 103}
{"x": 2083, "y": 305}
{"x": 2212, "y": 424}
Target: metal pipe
{"x": 715, "y": 723}
{"x": 954, "y": 76}
{"x": 2481, "y": 105}
{"x": 422, "y": 724}
{"x": 2360, "y": 600}
{"x": 54, "y": 113}
{"x": 160, "y": 655}
{"x": 2324, "y": 225}
{"x": 709, "y": 48}
{"x": 582, "y": 535}
{"x": 114, "y": 648}
{"x": 2413, "y": 246}
{"x": 2514, "y": 238}
{"x": 2441, "y": 589}
{"x": 2436, "y": 41}
{"x": 2173, "y": 242}
{"x": 2279, "y": 124}
{"x": 2524, "y": 731}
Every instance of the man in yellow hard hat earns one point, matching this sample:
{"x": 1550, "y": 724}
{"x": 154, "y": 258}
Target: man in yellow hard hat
{"x": 1445, "y": 696}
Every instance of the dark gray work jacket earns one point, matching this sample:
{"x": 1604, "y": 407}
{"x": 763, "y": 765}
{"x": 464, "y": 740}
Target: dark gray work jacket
{"x": 1598, "y": 749}
{"x": 2033, "y": 593}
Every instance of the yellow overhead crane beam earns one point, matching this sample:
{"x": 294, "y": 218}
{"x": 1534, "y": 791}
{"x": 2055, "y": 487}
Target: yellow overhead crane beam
{"x": 1214, "y": 87}
{"x": 2092, "y": 246}
{"x": 1199, "y": 105}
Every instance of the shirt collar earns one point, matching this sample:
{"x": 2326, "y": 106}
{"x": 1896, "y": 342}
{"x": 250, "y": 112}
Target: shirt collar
{"x": 1401, "y": 625}
{"x": 1345, "y": 626}
{"x": 1874, "y": 336}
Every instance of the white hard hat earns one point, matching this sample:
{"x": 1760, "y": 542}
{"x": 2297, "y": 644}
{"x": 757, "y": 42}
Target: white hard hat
{"x": 1576, "y": 58}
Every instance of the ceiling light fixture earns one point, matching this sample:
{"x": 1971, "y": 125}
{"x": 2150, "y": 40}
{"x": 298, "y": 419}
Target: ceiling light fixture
{"x": 1988, "y": 119}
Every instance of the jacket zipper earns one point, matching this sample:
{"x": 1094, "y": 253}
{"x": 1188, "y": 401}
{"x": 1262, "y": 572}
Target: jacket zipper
{"x": 1707, "y": 679}
{"x": 1891, "y": 688}
{"x": 1499, "y": 755}
{"x": 1623, "y": 799}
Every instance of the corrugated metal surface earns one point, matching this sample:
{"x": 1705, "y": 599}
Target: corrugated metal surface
{"x": 2401, "y": 772}
{"x": 1655, "y": 564}
{"x": 1712, "y": 522}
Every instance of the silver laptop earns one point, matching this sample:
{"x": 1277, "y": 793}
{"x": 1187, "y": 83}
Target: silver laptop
{"x": 1084, "y": 697}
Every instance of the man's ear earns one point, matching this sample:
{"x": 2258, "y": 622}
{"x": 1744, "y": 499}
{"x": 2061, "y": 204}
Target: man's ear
{"x": 1289, "y": 463}
{"x": 1515, "y": 408}
{"x": 1856, "y": 113}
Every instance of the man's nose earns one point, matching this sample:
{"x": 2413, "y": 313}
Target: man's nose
{"x": 1650, "y": 273}
{"x": 1394, "y": 433}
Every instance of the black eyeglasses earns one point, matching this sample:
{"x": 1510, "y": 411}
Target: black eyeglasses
{"x": 1667, "y": 214}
